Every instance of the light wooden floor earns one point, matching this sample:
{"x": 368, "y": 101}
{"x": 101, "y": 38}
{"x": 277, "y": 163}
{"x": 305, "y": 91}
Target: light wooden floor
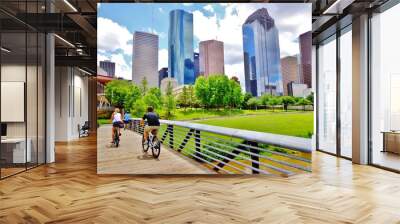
{"x": 70, "y": 191}
{"x": 128, "y": 158}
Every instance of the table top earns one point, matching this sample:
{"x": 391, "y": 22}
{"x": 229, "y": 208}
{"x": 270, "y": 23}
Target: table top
{"x": 391, "y": 132}
{"x": 13, "y": 140}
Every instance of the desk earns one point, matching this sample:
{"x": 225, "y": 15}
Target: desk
{"x": 13, "y": 150}
{"x": 391, "y": 141}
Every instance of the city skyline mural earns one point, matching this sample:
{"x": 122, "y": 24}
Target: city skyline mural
{"x": 221, "y": 22}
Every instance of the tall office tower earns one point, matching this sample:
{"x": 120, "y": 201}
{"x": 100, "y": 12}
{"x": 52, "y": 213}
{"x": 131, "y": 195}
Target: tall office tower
{"x": 261, "y": 53}
{"x": 180, "y": 47}
{"x": 196, "y": 58}
{"x": 145, "y": 58}
{"x": 162, "y": 73}
{"x": 211, "y": 57}
{"x": 108, "y": 67}
{"x": 289, "y": 72}
{"x": 305, "y": 58}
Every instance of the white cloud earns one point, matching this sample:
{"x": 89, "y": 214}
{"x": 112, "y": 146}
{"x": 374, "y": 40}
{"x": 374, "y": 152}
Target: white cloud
{"x": 111, "y": 36}
{"x": 236, "y": 70}
{"x": 204, "y": 28}
{"x": 187, "y": 4}
{"x": 153, "y": 31}
{"x": 161, "y": 10}
{"x": 162, "y": 58}
{"x": 122, "y": 69}
{"x": 209, "y": 8}
{"x": 98, "y": 5}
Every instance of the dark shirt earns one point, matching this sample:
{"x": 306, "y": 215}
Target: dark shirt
{"x": 152, "y": 119}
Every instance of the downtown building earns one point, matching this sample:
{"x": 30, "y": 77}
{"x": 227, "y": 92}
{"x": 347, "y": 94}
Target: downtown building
{"x": 145, "y": 58}
{"x": 305, "y": 40}
{"x": 290, "y": 75}
{"x": 180, "y": 47}
{"x": 162, "y": 73}
{"x": 108, "y": 67}
{"x": 211, "y": 57}
{"x": 261, "y": 52}
{"x": 196, "y": 58}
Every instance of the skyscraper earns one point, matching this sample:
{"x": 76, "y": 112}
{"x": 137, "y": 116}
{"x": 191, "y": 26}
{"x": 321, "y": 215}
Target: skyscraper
{"x": 145, "y": 58}
{"x": 305, "y": 58}
{"x": 261, "y": 54}
{"x": 196, "y": 58}
{"x": 211, "y": 57}
{"x": 108, "y": 67}
{"x": 180, "y": 47}
{"x": 289, "y": 72}
{"x": 162, "y": 73}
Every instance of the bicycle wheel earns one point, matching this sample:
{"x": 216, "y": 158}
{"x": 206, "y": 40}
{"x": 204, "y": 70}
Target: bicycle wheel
{"x": 156, "y": 149}
{"x": 116, "y": 139}
{"x": 145, "y": 146}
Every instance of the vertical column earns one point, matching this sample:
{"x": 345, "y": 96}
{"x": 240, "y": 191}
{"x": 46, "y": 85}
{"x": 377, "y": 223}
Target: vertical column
{"x": 360, "y": 90}
{"x": 50, "y": 92}
{"x": 50, "y": 99}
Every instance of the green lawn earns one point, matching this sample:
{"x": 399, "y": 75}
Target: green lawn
{"x": 298, "y": 124}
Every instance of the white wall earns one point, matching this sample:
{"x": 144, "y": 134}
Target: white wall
{"x": 71, "y": 102}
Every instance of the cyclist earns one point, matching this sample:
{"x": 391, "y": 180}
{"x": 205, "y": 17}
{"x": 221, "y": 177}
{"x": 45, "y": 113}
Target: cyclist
{"x": 127, "y": 120}
{"x": 153, "y": 123}
{"x": 116, "y": 119}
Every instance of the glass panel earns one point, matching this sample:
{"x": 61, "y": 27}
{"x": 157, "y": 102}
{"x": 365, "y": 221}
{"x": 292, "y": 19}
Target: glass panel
{"x": 41, "y": 99}
{"x": 31, "y": 98}
{"x": 346, "y": 94}
{"x": 327, "y": 96}
{"x": 13, "y": 87}
{"x": 385, "y": 84}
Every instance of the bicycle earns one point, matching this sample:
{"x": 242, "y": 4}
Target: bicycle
{"x": 153, "y": 143}
{"x": 116, "y": 139}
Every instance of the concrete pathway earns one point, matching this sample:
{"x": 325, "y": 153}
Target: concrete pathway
{"x": 129, "y": 158}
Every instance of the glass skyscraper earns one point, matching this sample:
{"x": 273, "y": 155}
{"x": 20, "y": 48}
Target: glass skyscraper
{"x": 262, "y": 66}
{"x": 180, "y": 47}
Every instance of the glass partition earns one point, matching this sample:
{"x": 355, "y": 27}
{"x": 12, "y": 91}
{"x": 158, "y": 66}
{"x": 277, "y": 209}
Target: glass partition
{"x": 22, "y": 91}
{"x": 385, "y": 89}
{"x": 327, "y": 95}
{"x": 346, "y": 93}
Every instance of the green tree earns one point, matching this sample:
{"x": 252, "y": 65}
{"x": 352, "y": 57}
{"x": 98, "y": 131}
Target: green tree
{"x": 253, "y": 102}
{"x": 153, "y": 98}
{"x": 235, "y": 95}
{"x": 264, "y": 99}
{"x": 286, "y": 101}
{"x": 116, "y": 92}
{"x": 169, "y": 102}
{"x": 191, "y": 96}
{"x": 144, "y": 86}
{"x": 246, "y": 98}
{"x": 138, "y": 108}
{"x": 311, "y": 98}
{"x": 273, "y": 101}
{"x": 132, "y": 96}
{"x": 183, "y": 98}
{"x": 202, "y": 91}
{"x": 304, "y": 102}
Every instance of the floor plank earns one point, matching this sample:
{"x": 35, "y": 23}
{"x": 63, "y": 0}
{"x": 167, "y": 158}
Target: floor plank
{"x": 70, "y": 191}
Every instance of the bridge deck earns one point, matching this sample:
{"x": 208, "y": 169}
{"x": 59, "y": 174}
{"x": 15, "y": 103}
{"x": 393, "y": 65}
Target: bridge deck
{"x": 128, "y": 158}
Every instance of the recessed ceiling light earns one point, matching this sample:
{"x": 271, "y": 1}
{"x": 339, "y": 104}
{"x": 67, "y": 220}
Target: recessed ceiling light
{"x": 64, "y": 40}
{"x": 5, "y": 50}
{"x": 70, "y": 5}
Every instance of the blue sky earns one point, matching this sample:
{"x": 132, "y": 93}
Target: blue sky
{"x": 118, "y": 21}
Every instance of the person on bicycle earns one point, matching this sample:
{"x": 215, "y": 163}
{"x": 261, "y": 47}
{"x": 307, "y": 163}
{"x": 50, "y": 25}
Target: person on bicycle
{"x": 127, "y": 120}
{"x": 153, "y": 123}
{"x": 116, "y": 119}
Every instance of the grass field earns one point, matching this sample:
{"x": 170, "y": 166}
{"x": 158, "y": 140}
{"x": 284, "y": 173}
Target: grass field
{"x": 298, "y": 124}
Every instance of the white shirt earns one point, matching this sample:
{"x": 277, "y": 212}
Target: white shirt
{"x": 117, "y": 117}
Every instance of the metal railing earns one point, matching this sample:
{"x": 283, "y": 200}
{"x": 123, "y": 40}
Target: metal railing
{"x": 235, "y": 151}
